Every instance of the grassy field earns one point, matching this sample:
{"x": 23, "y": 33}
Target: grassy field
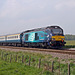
{"x": 70, "y": 44}
{"x": 19, "y": 68}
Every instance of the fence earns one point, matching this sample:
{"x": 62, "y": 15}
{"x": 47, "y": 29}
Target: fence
{"x": 28, "y": 60}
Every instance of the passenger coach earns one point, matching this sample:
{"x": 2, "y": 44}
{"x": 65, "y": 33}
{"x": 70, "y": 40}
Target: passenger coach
{"x": 13, "y": 39}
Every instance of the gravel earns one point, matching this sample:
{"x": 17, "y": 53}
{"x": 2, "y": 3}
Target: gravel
{"x": 53, "y": 54}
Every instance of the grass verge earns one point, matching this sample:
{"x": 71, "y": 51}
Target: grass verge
{"x": 19, "y": 68}
{"x": 70, "y": 44}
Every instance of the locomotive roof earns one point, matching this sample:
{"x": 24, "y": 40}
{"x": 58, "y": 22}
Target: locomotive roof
{"x": 41, "y": 29}
{"x": 38, "y": 29}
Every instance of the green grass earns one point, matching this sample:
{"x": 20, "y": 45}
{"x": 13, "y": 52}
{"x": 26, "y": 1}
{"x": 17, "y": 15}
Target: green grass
{"x": 70, "y": 44}
{"x": 19, "y": 68}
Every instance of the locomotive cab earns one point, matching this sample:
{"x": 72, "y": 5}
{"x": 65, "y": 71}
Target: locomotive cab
{"x": 57, "y": 37}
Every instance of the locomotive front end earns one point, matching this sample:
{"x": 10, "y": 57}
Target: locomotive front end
{"x": 57, "y": 39}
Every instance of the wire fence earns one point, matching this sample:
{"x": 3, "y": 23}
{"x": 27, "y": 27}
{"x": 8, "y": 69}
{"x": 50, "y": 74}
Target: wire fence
{"x": 54, "y": 66}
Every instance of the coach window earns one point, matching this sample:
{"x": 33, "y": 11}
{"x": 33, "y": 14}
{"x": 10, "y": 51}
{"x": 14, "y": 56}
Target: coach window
{"x": 16, "y": 36}
{"x": 1, "y": 38}
{"x": 36, "y": 36}
{"x": 26, "y": 37}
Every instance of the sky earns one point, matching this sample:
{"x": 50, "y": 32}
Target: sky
{"x": 20, "y": 15}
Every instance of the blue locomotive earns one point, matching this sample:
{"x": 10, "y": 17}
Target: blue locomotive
{"x": 51, "y": 36}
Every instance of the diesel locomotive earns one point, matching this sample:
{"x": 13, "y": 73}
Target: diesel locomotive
{"x": 46, "y": 37}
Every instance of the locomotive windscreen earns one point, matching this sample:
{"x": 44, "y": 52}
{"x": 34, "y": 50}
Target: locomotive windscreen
{"x": 57, "y": 31}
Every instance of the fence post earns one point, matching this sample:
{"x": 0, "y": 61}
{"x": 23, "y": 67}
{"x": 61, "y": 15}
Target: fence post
{"x": 5, "y": 57}
{"x": 59, "y": 66}
{"x": 16, "y": 59}
{"x": 39, "y": 62}
{"x": 25, "y": 60}
{"x": 48, "y": 65}
{"x": 68, "y": 68}
{"x": 22, "y": 58}
{"x": 52, "y": 66}
{"x": 29, "y": 60}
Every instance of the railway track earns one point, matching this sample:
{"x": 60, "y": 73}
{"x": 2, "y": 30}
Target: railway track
{"x": 63, "y": 51}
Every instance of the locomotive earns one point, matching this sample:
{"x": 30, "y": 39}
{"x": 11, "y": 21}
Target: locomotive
{"x": 46, "y": 37}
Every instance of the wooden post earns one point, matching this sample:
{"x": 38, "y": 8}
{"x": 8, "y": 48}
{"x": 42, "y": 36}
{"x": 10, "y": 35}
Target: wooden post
{"x": 5, "y": 57}
{"x": 29, "y": 60}
{"x": 25, "y": 60}
{"x": 59, "y": 66}
{"x": 68, "y": 69}
{"x": 48, "y": 66}
{"x": 10, "y": 58}
{"x": 22, "y": 58}
{"x": 52, "y": 66}
{"x": 16, "y": 59}
{"x": 39, "y": 62}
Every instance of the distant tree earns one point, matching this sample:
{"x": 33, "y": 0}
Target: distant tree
{"x": 69, "y": 37}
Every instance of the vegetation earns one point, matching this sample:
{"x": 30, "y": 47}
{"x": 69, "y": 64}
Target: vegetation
{"x": 70, "y": 41}
{"x": 19, "y": 68}
{"x": 69, "y": 37}
{"x": 70, "y": 44}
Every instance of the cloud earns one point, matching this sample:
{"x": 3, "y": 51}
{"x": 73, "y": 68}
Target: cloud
{"x": 11, "y": 9}
{"x": 65, "y": 4}
{"x": 17, "y": 15}
{"x": 17, "y": 8}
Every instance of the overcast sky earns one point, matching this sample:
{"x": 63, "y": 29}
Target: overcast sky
{"x": 19, "y": 15}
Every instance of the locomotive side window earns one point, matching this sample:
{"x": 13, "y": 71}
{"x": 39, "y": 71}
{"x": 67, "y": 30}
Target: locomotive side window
{"x": 48, "y": 30}
{"x": 26, "y": 37}
{"x": 36, "y": 36}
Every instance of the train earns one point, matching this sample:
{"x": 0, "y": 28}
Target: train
{"x": 45, "y": 37}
